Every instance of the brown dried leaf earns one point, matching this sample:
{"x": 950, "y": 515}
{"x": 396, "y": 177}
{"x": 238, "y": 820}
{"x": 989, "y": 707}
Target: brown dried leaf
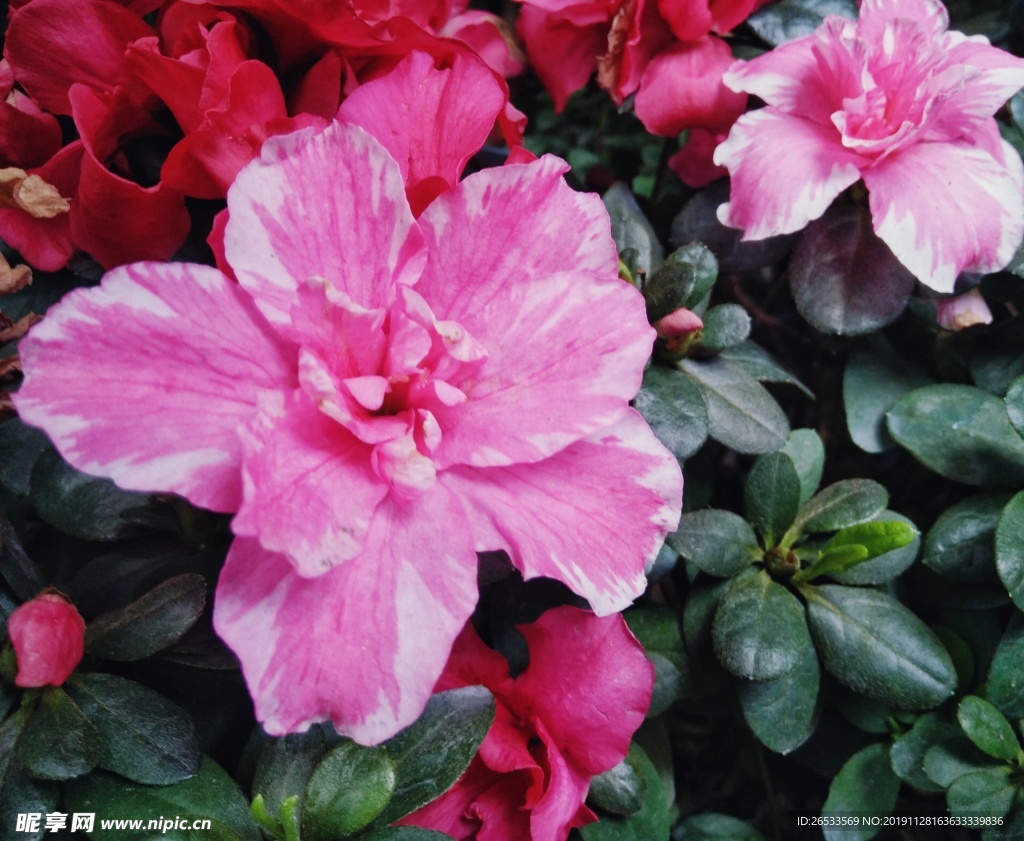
{"x": 31, "y": 193}
{"x": 6, "y": 405}
{"x": 19, "y": 328}
{"x": 13, "y": 278}
{"x": 9, "y": 364}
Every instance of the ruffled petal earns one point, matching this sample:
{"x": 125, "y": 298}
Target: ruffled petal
{"x": 785, "y": 171}
{"x": 362, "y": 645}
{"x": 342, "y": 185}
{"x": 944, "y": 208}
{"x": 626, "y": 495}
{"x": 110, "y": 379}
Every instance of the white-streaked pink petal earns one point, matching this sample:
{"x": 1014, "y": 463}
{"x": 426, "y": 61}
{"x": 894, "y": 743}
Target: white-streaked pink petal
{"x": 310, "y": 491}
{"x": 993, "y": 76}
{"x": 944, "y": 208}
{"x": 146, "y": 378}
{"x": 591, "y": 516}
{"x": 330, "y": 205}
{"x": 785, "y": 172}
{"x": 363, "y": 645}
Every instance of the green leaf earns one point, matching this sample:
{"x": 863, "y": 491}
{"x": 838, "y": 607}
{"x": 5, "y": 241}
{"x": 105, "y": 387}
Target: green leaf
{"x": 285, "y": 765}
{"x": 993, "y": 366}
{"x": 631, "y": 230}
{"x": 58, "y": 742}
{"x": 683, "y": 280}
{"x": 839, "y": 506}
{"x": 876, "y": 538}
{"x": 20, "y": 446}
{"x": 146, "y": 738}
{"x": 873, "y": 644}
{"x": 725, "y": 326}
{"x": 150, "y": 623}
{"x": 874, "y": 380}
{"x": 886, "y": 565}
{"x": 782, "y": 712}
{"x": 759, "y": 630}
{"x": 209, "y": 795}
{"x": 951, "y": 758}
{"x": 653, "y": 819}
{"x": 1010, "y": 549}
{"x": 431, "y": 754}
{"x": 865, "y": 785}
{"x": 832, "y": 561}
{"x": 807, "y": 453}
{"x": 762, "y": 366}
{"x": 349, "y": 788}
{"x": 741, "y": 413}
{"x": 987, "y": 792}
{"x": 960, "y": 653}
{"x": 657, "y": 628}
{"x": 908, "y": 751}
{"x": 712, "y": 826}
{"x": 844, "y": 279}
{"x": 961, "y": 544}
{"x": 620, "y": 790}
{"x": 788, "y": 20}
{"x": 405, "y": 833}
{"x": 960, "y": 432}
{"x": 772, "y": 495}
{"x": 84, "y": 506}
{"x": 718, "y": 542}
{"x": 675, "y": 410}
{"x": 1015, "y": 404}
{"x": 988, "y": 728}
{"x": 19, "y": 793}
{"x": 1005, "y": 684}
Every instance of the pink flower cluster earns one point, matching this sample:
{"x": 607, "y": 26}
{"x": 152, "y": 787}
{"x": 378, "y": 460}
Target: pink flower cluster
{"x": 177, "y": 108}
{"x": 667, "y": 52}
{"x": 897, "y": 100}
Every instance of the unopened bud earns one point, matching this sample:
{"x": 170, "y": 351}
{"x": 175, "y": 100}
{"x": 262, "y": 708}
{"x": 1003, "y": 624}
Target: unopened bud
{"x": 964, "y": 311}
{"x": 678, "y": 329}
{"x": 48, "y": 635}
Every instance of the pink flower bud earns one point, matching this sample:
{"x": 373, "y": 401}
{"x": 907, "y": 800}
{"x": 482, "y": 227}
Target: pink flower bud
{"x": 678, "y": 328}
{"x": 964, "y": 311}
{"x": 48, "y": 636}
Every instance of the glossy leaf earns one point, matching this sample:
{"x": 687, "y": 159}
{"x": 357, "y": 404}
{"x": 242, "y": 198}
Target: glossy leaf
{"x": 1005, "y": 684}
{"x": 1010, "y": 549}
{"x": 620, "y": 790}
{"x": 790, "y": 19}
{"x": 884, "y": 566}
{"x": 58, "y": 741}
{"x": 285, "y": 765}
{"x": 762, "y": 366}
{"x": 631, "y": 230}
{"x": 712, "y": 826}
{"x": 349, "y": 788}
{"x": 683, "y": 280}
{"x": 961, "y": 544}
{"x": 772, "y": 495}
{"x": 908, "y": 751}
{"x": 807, "y": 453}
{"x": 988, "y": 792}
{"x": 865, "y": 785}
{"x": 988, "y": 728}
{"x": 844, "y": 504}
{"x": 718, "y": 542}
{"x": 675, "y": 410}
{"x": 725, "y": 326}
{"x": 652, "y": 820}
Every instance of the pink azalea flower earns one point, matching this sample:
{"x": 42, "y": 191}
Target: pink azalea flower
{"x": 898, "y": 101}
{"x": 378, "y": 398}
{"x": 48, "y": 637}
{"x": 569, "y": 716}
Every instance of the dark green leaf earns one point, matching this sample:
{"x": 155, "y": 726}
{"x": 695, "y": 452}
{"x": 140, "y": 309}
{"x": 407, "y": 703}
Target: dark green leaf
{"x": 18, "y": 792}
{"x": 772, "y": 495}
{"x": 348, "y": 789}
{"x": 725, "y": 326}
{"x": 718, "y": 542}
{"x": 285, "y": 765}
{"x": 712, "y": 826}
{"x": 762, "y": 366}
{"x": 788, "y": 20}
{"x": 908, "y": 751}
{"x": 865, "y": 785}
{"x": 874, "y": 380}
{"x": 759, "y": 630}
{"x": 683, "y": 280}
{"x": 210, "y": 795}
{"x": 960, "y": 432}
{"x": 994, "y": 367}
{"x": 620, "y": 790}
{"x": 952, "y": 757}
{"x": 84, "y": 506}
{"x": 807, "y": 453}
{"x": 657, "y": 628}
{"x": 20, "y": 446}
{"x": 960, "y": 653}
{"x": 1005, "y": 685}
{"x": 405, "y": 833}
{"x": 874, "y": 645}
{"x": 1015, "y": 404}
{"x": 631, "y": 230}
{"x": 741, "y": 413}
{"x": 146, "y": 738}
{"x": 886, "y": 565}
{"x": 431, "y": 754}
{"x": 988, "y": 728}
{"x": 987, "y": 792}
{"x": 653, "y": 819}
{"x": 847, "y": 503}
{"x": 1010, "y": 549}
{"x": 782, "y": 712}
{"x": 58, "y": 742}
{"x": 150, "y": 623}
{"x": 961, "y": 544}
{"x": 844, "y": 279}
{"x": 674, "y": 408}
{"x": 667, "y": 684}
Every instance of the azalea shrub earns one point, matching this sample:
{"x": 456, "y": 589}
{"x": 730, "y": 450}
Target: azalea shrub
{"x": 512, "y": 420}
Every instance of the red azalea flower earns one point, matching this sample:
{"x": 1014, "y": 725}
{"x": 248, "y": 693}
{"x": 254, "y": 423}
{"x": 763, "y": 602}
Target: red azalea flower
{"x": 48, "y": 636}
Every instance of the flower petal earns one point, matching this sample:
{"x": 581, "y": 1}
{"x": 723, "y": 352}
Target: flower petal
{"x": 310, "y": 492}
{"x": 785, "y": 171}
{"x": 342, "y": 185}
{"x": 626, "y": 494}
{"x": 944, "y": 208}
{"x": 111, "y": 380}
{"x": 362, "y": 645}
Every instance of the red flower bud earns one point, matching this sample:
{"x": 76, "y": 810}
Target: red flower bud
{"x": 48, "y": 636}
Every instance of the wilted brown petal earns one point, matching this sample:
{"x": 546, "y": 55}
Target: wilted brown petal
{"x": 31, "y": 193}
{"x": 13, "y": 278}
